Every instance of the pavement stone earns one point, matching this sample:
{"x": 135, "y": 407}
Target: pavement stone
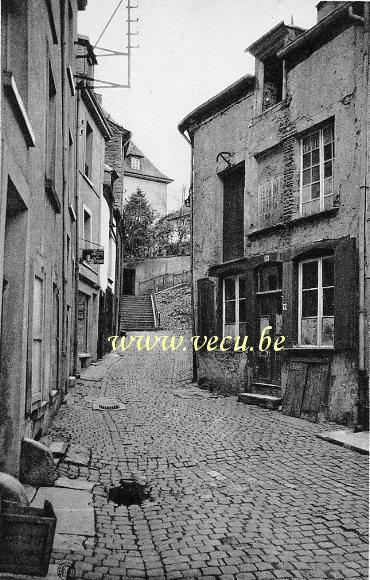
{"x": 236, "y": 491}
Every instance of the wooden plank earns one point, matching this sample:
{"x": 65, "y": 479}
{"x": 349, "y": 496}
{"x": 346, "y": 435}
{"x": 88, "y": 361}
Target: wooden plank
{"x": 293, "y": 396}
{"x": 315, "y": 391}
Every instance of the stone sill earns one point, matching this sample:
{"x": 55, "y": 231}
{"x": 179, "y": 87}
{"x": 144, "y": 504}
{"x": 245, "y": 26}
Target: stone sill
{"x": 293, "y": 222}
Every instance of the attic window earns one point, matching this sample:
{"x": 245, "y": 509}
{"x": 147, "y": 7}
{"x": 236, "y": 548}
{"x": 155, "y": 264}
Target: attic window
{"x": 135, "y": 163}
{"x": 272, "y": 82}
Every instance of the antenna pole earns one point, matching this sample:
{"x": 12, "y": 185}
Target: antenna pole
{"x": 129, "y": 43}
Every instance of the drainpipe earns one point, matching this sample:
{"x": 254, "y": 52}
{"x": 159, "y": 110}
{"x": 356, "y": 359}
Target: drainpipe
{"x": 363, "y": 339}
{"x": 64, "y": 173}
{"x": 355, "y": 17}
{"x": 77, "y": 222}
{"x": 191, "y": 194}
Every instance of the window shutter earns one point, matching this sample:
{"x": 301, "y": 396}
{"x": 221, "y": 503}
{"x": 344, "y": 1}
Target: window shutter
{"x": 206, "y": 307}
{"x": 290, "y": 298}
{"x": 251, "y": 306}
{"x": 219, "y": 308}
{"x": 345, "y": 294}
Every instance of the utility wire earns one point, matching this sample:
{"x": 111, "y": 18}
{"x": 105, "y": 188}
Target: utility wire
{"x": 108, "y": 23}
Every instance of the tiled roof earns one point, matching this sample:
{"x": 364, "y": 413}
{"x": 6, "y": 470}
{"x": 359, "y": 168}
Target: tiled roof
{"x": 147, "y": 169}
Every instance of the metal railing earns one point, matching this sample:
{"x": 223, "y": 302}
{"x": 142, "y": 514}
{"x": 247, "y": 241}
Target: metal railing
{"x": 156, "y": 313}
{"x": 163, "y": 282}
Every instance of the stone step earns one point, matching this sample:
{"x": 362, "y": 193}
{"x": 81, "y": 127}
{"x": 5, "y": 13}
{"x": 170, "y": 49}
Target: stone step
{"x": 266, "y": 389}
{"x": 264, "y": 401}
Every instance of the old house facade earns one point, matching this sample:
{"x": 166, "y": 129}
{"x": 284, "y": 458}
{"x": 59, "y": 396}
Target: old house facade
{"x": 37, "y": 231}
{"x": 93, "y": 133}
{"x": 279, "y": 218}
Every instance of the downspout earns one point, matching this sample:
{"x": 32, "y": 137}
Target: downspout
{"x": 355, "y": 17}
{"x": 363, "y": 339}
{"x": 64, "y": 172}
{"x": 77, "y": 222}
{"x": 191, "y": 195}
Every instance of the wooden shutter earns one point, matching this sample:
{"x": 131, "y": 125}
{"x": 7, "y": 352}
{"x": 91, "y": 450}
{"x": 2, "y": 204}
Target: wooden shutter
{"x": 250, "y": 292}
{"x": 316, "y": 391}
{"x": 233, "y": 219}
{"x": 295, "y": 387}
{"x": 345, "y": 294}
{"x": 290, "y": 299}
{"x": 206, "y": 307}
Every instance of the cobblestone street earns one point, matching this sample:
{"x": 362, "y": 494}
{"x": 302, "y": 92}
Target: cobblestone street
{"x": 235, "y": 491}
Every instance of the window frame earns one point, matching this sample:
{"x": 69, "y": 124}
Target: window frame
{"x": 320, "y": 316}
{"x": 319, "y": 130}
{"x": 86, "y": 241}
{"x": 237, "y": 322}
{"x": 135, "y": 163}
{"x": 38, "y": 337}
{"x": 89, "y": 150}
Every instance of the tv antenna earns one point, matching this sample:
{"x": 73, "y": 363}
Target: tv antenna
{"x": 104, "y": 52}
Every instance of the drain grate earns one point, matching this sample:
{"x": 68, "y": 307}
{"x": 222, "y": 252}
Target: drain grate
{"x": 128, "y": 493}
{"x": 107, "y": 404}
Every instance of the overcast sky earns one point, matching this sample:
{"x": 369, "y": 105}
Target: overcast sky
{"x": 189, "y": 51}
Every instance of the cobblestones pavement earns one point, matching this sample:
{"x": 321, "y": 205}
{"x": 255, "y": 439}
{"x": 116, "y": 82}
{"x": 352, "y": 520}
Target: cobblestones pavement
{"x": 236, "y": 491}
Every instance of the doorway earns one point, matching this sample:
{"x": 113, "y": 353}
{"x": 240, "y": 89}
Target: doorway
{"x": 269, "y": 313}
{"x": 128, "y": 281}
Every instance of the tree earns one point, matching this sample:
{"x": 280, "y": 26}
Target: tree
{"x": 138, "y": 219}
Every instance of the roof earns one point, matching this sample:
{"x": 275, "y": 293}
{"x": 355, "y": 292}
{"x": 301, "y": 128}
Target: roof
{"x": 147, "y": 170}
{"x": 320, "y": 33}
{"x": 232, "y": 94}
{"x": 268, "y": 44}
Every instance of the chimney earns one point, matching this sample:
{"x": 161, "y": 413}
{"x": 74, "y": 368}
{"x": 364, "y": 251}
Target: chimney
{"x": 325, "y": 8}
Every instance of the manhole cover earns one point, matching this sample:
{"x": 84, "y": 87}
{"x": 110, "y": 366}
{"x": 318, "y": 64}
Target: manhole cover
{"x": 107, "y": 404}
{"x": 128, "y": 493}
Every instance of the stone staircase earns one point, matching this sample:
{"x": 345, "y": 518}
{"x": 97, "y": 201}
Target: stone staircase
{"x": 137, "y": 314}
{"x": 263, "y": 395}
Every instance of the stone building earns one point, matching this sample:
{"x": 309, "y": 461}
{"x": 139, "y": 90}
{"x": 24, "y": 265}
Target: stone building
{"x": 37, "y": 216}
{"x": 93, "y": 208}
{"x": 115, "y": 153}
{"x": 279, "y": 219}
{"x": 140, "y": 173}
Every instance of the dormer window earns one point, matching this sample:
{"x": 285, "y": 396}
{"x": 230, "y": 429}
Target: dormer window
{"x": 269, "y": 67}
{"x": 135, "y": 163}
{"x": 272, "y": 82}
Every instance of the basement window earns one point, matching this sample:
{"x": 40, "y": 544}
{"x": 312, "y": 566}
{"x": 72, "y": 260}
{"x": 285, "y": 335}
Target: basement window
{"x": 272, "y": 82}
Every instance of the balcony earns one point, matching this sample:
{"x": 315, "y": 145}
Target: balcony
{"x": 270, "y": 202}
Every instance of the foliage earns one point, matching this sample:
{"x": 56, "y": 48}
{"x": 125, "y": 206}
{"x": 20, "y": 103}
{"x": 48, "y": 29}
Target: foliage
{"x": 171, "y": 236}
{"x": 138, "y": 220}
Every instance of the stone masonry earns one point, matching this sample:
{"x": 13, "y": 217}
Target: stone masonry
{"x": 236, "y": 492}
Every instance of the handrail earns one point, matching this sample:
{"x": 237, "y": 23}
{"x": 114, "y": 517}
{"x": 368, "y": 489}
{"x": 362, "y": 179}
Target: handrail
{"x": 163, "y": 282}
{"x": 156, "y": 314}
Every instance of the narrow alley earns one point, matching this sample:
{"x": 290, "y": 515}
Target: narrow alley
{"x": 234, "y": 491}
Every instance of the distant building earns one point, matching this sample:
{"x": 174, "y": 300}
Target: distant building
{"x": 140, "y": 173}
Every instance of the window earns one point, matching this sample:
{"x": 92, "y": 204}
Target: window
{"x": 88, "y": 150}
{"x": 233, "y": 213}
{"x": 87, "y": 232}
{"x": 135, "y": 163}
{"x": 51, "y": 127}
{"x": 316, "y": 302}
{"x": 37, "y": 338}
{"x": 272, "y": 82}
{"x": 270, "y": 202}
{"x": 235, "y": 306}
{"x": 317, "y": 157}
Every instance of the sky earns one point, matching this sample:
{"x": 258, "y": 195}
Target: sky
{"x": 189, "y": 50}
